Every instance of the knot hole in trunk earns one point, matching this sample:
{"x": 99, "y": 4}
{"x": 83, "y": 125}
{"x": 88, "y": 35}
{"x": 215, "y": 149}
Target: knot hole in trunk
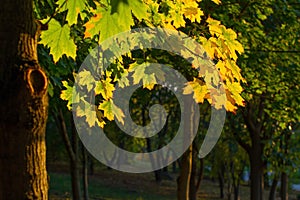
{"x": 37, "y": 81}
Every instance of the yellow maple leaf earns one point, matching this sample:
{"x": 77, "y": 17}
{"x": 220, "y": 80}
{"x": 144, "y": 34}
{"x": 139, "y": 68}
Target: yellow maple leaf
{"x": 216, "y": 1}
{"x": 197, "y": 87}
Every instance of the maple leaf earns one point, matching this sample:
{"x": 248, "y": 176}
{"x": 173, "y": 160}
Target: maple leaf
{"x": 149, "y": 81}
{"x": 235, "y": 89}
{"x": 215, "y": 27}
{"x": 198, "y": 88}
{"x": 67, "y": 94}
{"x": 89, "y": 111}
{"x": 74, "y": 8}
{"x": 111, "y": 110}
{"x": 117, "y": 16}
{"x": 58, "y": 39}
{"x": 216, "y": 1}
{"x": 85, "y": 78}
{"x": 192, "y": 12}
{"x": 105, "y": 88}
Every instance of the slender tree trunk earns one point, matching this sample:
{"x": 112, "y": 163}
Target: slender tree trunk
{"x": 221, "y": 182}
{"x": 183, "y": 181}
{"x": 75, "y": 178}
{"x": 193, "y": 184}
{"x": 85, "y": 173}
{"x": 24, "y": 104}
{"x": 75, "y": 167}
{"x": 201, "y": 173}
{"x": 284, "y": 187}
{"x": 237, "y": 192}
{"x": 174, "y": 167}
{"x": 229, "y": 181}
{"x": 72, "y": 149}
{"x": 272, "y": 195}
{"x": 91, "y": 166}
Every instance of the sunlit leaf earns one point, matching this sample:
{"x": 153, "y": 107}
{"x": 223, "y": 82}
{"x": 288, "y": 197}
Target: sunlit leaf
{"x": 58, "y": 39}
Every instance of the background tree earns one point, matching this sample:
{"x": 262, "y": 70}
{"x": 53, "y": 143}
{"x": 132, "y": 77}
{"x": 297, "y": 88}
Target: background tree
{"x": 270, "y": 35}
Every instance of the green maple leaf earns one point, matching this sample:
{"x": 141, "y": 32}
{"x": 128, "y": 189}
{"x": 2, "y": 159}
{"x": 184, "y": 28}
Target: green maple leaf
{"x": 58, "y": 39}
{"x": 117, "y": 16}
{"x": 111, "y": 110}
{"x": 74, "y": 8}
{"x": 149, "y": 81}
{"x": 233, "y": 45}
{"x": 138, "y": 72}
{"x": 88, "y": 111}
{"x": 85, "y": 78}
{"x": 105, "y": 88}
{"x": 67, "y": 94}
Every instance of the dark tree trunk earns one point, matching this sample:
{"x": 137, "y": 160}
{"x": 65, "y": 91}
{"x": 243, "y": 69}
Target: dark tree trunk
{"x": 72, "y": 149}
{"x": 193, "y": 184}
{"x": 75, "y": 167}
{"x": 221, "y": 182}
{"x": 183, "y": 181}
{"x": 201, "y": 173}
{"x": 237, "y": 193}
{"x": 91, "y": 166}
{"x": 256, "y": 173}
{"x": 174, "y": 167}
{"x": 24, "y": 104}
{"x": 284, "y": 187}
{"x": 236, "y": 180}
{"x": 272, "y": 195}
{"x": 75, "y": 178}
{"x": 85, "y": 173}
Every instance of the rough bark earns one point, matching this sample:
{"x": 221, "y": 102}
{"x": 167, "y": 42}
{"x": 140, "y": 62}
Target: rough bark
{"x": 24, "y": 104}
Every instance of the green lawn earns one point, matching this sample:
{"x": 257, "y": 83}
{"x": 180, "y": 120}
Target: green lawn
{"x": 60, "y": 188}
{"x": 113, "y": 185}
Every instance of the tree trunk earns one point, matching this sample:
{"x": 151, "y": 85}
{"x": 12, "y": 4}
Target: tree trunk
{"x": 236, "y": 180}
{"x": 272, "y": 195}
{"x": 74, "y": 167}
{"x": 75, "y": 164}
{"x": 237, "y": 192}
{"x": 85, "y": 173}
{"x": 221, "y": 182}
{"x": 284, "y": 186}
{"x": 201, "y": 173}
{"x": 193, "y": 184}
{"x": 72, "y": 149}
{"x": 24, "y": 104}
{"x": 183, "y": 181}
{"x": 256, "y": 172}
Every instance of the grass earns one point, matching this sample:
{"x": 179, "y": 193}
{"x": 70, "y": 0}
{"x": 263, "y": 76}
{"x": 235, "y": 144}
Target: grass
{"x": 113, "y": 185}
{"x": 60, "y": 188}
